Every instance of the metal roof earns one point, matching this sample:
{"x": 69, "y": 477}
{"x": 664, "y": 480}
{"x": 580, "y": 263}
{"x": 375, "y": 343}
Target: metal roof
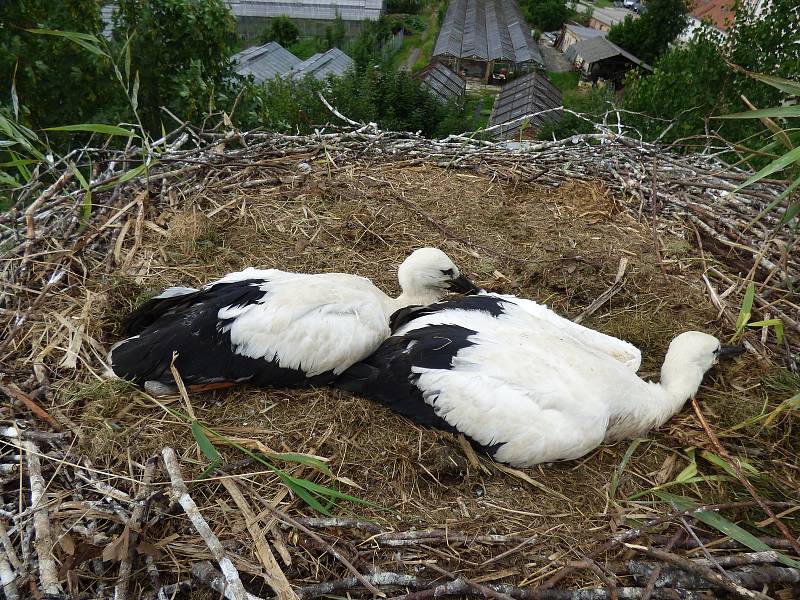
{"x": 350, "y": 10}
{"x": 321, "y": 65}
{"x": 584, "y": 33}
{"x": 486, "y": 30}
{"x": 599, "y": 48}
{"x": 443, "y": 83}
{"x": 265, "y": 62}
{"x": 525, "y": 95}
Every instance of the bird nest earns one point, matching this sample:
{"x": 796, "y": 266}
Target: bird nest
{"x": 108, "y": 491}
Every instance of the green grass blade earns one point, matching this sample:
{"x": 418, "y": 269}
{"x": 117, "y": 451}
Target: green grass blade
{"x": 95, "y": 128}
{"x": 720, "y": 523}
{"x": 785, "y": 85}
{"x": 301, "y": 493}
{"x": 778, "y": 111}
{"x": 612, "y": 490}
{"x": 206, "y": 447}
{"x": 87, "y": 198}
{"x": 791, "y": 212}
{"x": 776, "y": 165}
{"x": 747, "y": 307}
{"x": 776, "y": 324}
{"x": 304, "y": 459}
{"x": 135, "y": 172}
{"x": 726, "y": 466}
{"x": 84, "y": 40}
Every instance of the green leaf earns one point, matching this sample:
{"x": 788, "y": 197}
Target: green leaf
{"x": 776, "y": 165}
{"x": 85, "y": 40}
{"x": 94, "y": 128}
{"x": 722, "y": 524}
{"x": 303, "y": 459}
{"x": 747, "y": 307}
{"x": 785, "y": 85}
{"x": 791, "y": 212}
{"x": 304, "y": 495}
{"x": 792, "y": 187}
{"x": 87, "y": 198}
{"x": 135, "y": 172}
{"x": 612, "y": 491}
{"x": 778, "y": 111}
{"x": 7, "y": 179}
{"x": 206, "y": 447}
{"x": 776, "y": 324}
{"x": 725, "y": 465}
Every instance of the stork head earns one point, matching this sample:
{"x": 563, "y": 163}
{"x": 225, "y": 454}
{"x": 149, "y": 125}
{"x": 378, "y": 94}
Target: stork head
{"x": 429, "y": 273}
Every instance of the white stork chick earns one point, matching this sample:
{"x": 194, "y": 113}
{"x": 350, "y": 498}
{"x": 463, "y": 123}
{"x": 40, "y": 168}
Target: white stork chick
{"x": 523, "y": 388}
{"x": 271, "y": 327}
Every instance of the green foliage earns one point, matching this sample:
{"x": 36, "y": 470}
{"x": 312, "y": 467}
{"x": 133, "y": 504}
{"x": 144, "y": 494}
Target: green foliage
{"x": 180, "y": 50}
{"x": 306, "y": 47}
{"x": 394, "y": 100}
{"x": 282, "y": 30}
{"x": 54, "y": 81}
{"x": 335, "y": 33}
{"x": 692, "y": 83}
{"x": 366, "y": 48}
{"x": 410, "y": 7}
{"x": 649, "y": 36}
{"x": 546, "y": 15}
{"x": 591, "y": 102}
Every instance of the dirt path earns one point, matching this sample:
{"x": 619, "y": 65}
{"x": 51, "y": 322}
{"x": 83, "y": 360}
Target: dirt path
{"x": 554, "y": 59}
{"x": 412, "y": 58}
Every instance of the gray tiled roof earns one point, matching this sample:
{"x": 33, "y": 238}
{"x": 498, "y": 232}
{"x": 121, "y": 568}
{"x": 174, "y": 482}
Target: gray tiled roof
{"x": 265, "y": 62}
{"x": 350, "y": 10}
{"x": 443, "y": 82}
{"x": 525, "y": 95}
{"x": 599, "y": 48}
{"x": 321, "y": 65}
{"x": 486, "y": 30}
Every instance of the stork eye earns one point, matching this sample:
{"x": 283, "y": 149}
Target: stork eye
{"x": 448, "y": 272}
{"x": 717, "y": 349}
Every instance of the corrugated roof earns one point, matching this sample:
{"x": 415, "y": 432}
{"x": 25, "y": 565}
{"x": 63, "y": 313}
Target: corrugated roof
{"x": 350, "y": 10}
{"x": 443, "y": 82}
{"x": 600, "y": 48}
{"x": 486, "y": 30}
{"x": 321, "y": 65}
{"x": 584, "y": 33}
{"x": 265, "y": 62}
{"x": 525, "y": 95}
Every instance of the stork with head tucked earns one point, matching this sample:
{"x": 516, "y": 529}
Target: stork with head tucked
{"x": 523, "y": 386}
{"x": 271, "y": 327}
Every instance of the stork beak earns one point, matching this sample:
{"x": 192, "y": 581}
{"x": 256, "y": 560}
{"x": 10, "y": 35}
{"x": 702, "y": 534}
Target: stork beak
{"x": 726, "y": 351}
{"x": 462, "y": 285}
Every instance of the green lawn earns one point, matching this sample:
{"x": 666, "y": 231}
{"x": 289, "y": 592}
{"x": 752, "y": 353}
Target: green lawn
{"x": 564, "y": 81}
{"x": 428, "y": 38}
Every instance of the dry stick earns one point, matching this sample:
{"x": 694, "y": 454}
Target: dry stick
{"x": 701, "y": 571}
{"x": 205, "y": 572}
{"x": 328, "y": 548}
{"x": 656, "y": 242}
{"x": 274, "y": 575}
{"x": 608, "y": 294}
{"x": 486, "y": 591}
{"x": 12, "y": 391}
{"x": 741, "y": 476}
{"x": 339, "y": 522}
{"x": 134, "y": 525}
{"x": 651, "y": 583}
{"x": 11, "y": 554}
{"x": 190, "y": 508}
{"x": 48, "y": 574}
{"x": 8, "y": 578}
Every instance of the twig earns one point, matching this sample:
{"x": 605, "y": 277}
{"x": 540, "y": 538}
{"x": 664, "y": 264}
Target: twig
{"x": 48, "y": 574}
{"x": 206, "y": 573}
{"x": 274, "y": 575}
{"x": 608, "y": 294}
{"x": 741, "y": 476}
{"x": 654, "y": 199}
{"x": 485, "y": 590}
{"x": 8, "y": 578}
{"x": 328, "y": 548}
{"x": 134, "y": 526}
{"x": 701, "y": 571}
{"x": 12, "y": 391}
{"x": 651, "y": 583}
{"x": 233, "y": 583}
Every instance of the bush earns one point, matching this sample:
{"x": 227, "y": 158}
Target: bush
{"x": 593, "y": 103}
{"x": 546, "y": 15}
{"x": 282, "y": 30}
{"x": 411, "y": 7}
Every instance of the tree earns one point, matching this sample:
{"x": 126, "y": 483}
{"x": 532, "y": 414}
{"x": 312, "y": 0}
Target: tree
{"x": 181, "y": 51}
{"x": 693, "y": 84}
{"x": 335, "y": 34}
{"x": 282, "y": 30}
{"x": 546, "y": 15}
{"x": 650, "y": 35}
{"x": 57, "y": 82}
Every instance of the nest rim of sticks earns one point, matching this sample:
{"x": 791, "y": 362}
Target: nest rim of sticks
{"x": 232, "y": 199}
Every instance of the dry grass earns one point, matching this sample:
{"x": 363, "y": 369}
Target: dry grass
{"x": 559, "y": 245}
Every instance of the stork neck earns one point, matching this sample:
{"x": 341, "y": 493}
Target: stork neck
{"x": 417, "y": 296}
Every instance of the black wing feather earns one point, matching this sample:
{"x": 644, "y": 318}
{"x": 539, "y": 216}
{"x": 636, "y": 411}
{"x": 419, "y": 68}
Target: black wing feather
{"x": 491, "y": 304}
